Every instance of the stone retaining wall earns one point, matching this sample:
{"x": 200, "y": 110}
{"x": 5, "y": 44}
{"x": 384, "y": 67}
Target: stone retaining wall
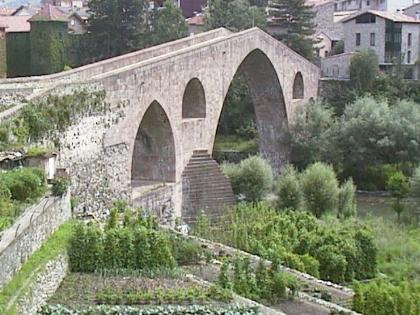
{"x": 44, "y": 285}
{"x": 29, "y": 232}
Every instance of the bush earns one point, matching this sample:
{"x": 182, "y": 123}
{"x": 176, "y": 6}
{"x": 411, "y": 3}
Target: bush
{"x": 253, "y": 177}
{"x": 25, "y": 184}
{"x": 256, "y": 178}
{"x": 186, "y": 252}
{"x": 320, "y": 189}
{"x": 415, "y": 183}
{"x": 383, "y": 298}
{"x": 60, "y": 186}
{"x": 288, "y": 190}
{"x": 346, "y": 200}
{"x": 332, "y": 264}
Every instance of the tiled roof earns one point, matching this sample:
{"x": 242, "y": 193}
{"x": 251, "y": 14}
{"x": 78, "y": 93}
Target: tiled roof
{"x": 7, "y": 11}
{"x": 49, "y": 13}
{"x": 395, "y": 17}
{"x": 15, "y": 24}
{"x": 196, "y": 20}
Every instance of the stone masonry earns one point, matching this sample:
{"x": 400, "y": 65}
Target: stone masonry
{"x": 109, "y": 154}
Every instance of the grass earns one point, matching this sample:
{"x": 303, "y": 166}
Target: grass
{"x": 16, "y": 287}
{"x": 38, "y": 151}
{"x": 234, "y": 143}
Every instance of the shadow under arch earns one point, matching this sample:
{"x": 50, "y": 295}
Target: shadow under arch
{"x": 194, "y": 100}
{"x": 269, "y": 107}
{"x": 298, "y": 87}
{"x": 154, "y": 149}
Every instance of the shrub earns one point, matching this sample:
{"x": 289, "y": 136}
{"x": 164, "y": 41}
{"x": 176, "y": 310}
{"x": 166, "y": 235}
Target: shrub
{"x": 383, "y": 298}
{"x": 60, "y": 186}
{"x": 366, "y": 260}
{"x": 332, "y": 264}
{"x": 24, "y": 184}
{"x": 346, "y": 200}
{"x": 288, "y": 190}
{"x": 320, "y": 189}
{"x": 398, "y": 186}
{"x": 256, "y": 178}
{"x": 253, "y": 177}
{"x": 186, "y": 252}
{"x": 415, "y": 183}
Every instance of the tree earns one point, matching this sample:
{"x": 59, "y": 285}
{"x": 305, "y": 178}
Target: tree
{"x": 168, "y": 24}
{"x": 288, "y": 190}
{"x": 364, "y": 70}
{"x": 295, "y": 20}
{"x": 398, "y": 187}
{"x": 116, "y": 27}
{"x": 320, "y": 189}
{"x": 235, "y": 15}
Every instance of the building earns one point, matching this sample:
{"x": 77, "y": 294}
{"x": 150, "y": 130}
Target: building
{"x": 189, "y": 8}
{"x": 413, "y": 11}
{"x": 364, "y": 5}
{"x": 394, "y": 37}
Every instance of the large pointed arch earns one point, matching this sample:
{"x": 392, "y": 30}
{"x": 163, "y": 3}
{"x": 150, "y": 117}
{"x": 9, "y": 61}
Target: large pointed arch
{"x": 154, "y": 148}
{"x": 269, "y": 106}
{"x": 194, "y": 100}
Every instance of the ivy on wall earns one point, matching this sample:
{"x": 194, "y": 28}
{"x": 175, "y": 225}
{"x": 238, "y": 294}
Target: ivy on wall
{"x": 48, "y": 46}
{"x": 18, "y": 54}
{"x": 48, "y": 118}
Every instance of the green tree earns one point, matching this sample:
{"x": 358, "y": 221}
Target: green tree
{"x": 288, "y": 190}
{"x": 235, "y": 15}
{"x": 117, "y": 26}
{"x": 168, "y": 24}
{"x": 313, "y": 134}
{"x": 398, "y": 186}
{"x": 364, "y": 70}
{"x": 320, "y": 189}
{"x": 295, "y": 19}
{"x": 346, "y": 200}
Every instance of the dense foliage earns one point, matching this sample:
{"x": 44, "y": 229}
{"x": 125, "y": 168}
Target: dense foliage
{"x": 363, "y": 70}
{"x": 18, "y": 188}
{"x": 169, "y": 310}
{"x": 252, "y": 178}
{"x": 383, "y": 298}
{"x": 370, "y": 135}
{"x": 336, "y": 252}
{"x": 236, "y": 15}
{"x": 295, "y": 19}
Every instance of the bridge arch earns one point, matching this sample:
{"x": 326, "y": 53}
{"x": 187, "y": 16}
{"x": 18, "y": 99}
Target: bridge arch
{"x": 269, "y": 106}
{"x": 194, "y": 100}
{"x": 298, "y": 87}
{"x": 154, "y": 156}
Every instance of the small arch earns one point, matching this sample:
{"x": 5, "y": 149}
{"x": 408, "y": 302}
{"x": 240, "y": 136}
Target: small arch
{"x": 298, "y": 87}
{"x": 154, "y": 148}
{"x": 194, "y": 100}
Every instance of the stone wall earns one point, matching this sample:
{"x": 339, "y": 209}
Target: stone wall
{"x": 158, "y": 201}
{"x": 337, "y": 67}
{"x": 44, "y": 285}
{"x": 29, "y": 232}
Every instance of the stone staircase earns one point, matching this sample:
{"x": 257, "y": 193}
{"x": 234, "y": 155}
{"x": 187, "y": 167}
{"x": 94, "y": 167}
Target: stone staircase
{"x": 204, "y": 188}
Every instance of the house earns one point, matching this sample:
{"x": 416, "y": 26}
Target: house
{"x": 364, "y": 5}
{"x": 413, "y": 11}
{"x": 66, "y": 3}
{"x": 25, "y": 10}
{"x": 189, "y": 8}
{"x": 394, "y": 37}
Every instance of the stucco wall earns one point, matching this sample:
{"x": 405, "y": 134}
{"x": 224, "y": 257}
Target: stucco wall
{"x": 29, "y": 232}
{"x": 336, "y": 66}
{"x": 350, "y": 30}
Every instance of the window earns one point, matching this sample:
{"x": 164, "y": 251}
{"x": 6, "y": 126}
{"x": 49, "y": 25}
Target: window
{"x": 409, "y": 40}
{"x": 368, "y": 3}
{"x": 366, "y": 18}
{"x": 409, "y": 56}
{"x": 372, "y": 39}
{"x": 358, "y": 39}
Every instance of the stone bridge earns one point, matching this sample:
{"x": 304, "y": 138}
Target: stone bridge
{"x": 169, "y": 98}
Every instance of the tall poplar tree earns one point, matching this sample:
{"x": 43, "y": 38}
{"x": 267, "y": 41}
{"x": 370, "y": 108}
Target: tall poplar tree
{"x": 295, "y": 19}
{"x": 116, "y": 27}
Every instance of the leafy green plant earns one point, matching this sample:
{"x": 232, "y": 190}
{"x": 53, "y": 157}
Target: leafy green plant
{"x": 399, "y": 188}
{"x": 60, "y": 186}
{"x": 288, "y": 190}
{"x": 320, "y": 189}
{"x": 24, "y": 184}
{"x": 346, "y": 200}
